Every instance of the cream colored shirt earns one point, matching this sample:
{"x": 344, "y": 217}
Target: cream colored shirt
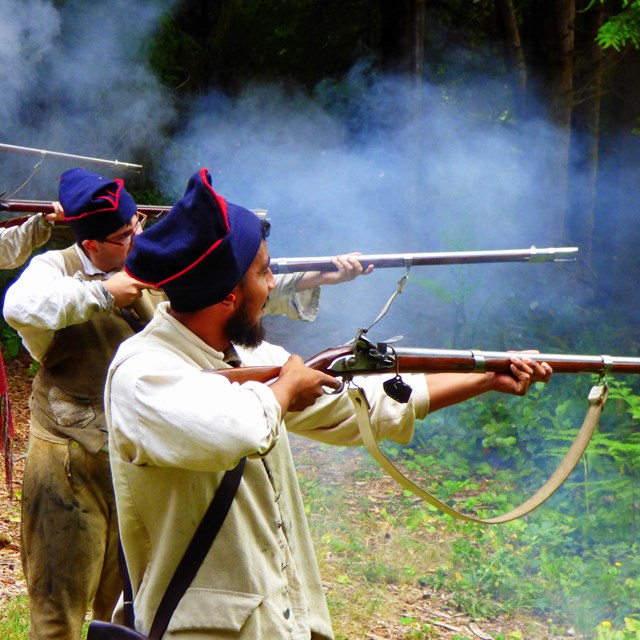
{"x": 174, "y": 429}
{"x": 46, "y": 298}
{"x": 17, "y": 243}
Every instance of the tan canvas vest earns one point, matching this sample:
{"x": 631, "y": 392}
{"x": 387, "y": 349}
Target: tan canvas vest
{"x": 67, "y": 393}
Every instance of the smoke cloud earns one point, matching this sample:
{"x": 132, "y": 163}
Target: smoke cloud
{"x": 74, "y": 81}
{"x": 371, "y": 163}
{"x": 378, "y": 165}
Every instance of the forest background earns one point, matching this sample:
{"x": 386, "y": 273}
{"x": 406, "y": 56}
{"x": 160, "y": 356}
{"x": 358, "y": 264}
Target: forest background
{"x": 396, "y": 126}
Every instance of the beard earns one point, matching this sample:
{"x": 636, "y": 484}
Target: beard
{"x": 243, "y": 332}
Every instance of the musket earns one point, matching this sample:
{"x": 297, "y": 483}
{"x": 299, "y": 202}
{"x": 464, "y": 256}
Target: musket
{"x": 43, "y": 153}
{"x": 385, "y": 260}
{"x": 366, "y": 358}
{"x": 381, "y": 260}
{"x": 45, "y": 206}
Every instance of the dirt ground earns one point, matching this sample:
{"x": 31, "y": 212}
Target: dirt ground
{"x": 11, "y": 578}
{"x": 424, "y": 604}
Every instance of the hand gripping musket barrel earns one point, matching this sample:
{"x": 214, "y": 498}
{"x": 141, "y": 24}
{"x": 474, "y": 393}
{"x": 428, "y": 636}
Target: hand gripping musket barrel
{"x": 366, "y": 358}
{"x": 43, "y": 153}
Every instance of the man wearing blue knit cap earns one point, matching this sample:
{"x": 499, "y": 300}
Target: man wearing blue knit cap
{"x": 175, "y": 429}
{"x": 72, "y": 309}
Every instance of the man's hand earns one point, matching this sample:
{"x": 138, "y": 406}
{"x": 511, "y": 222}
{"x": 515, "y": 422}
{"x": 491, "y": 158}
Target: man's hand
{"x": 523, "y": 372}
{"x": 298, "y": 386}
{"x": 57, "y": 215}
{"x": 348, "y": 267}
{"x": 124, "y": 289}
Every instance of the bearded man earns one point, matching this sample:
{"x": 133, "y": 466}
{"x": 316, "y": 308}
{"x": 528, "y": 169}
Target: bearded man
{"x": 175, "y": 428}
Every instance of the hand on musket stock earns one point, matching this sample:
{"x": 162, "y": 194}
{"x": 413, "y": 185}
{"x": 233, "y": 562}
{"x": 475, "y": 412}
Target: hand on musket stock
{"x": 298, "y": 386}
{"x": 124, "y": 289}
{"x": 446, "y": 389}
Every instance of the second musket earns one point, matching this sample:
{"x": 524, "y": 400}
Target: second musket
{"x": 325, "y": 263}
{"x": 385, "y": 260}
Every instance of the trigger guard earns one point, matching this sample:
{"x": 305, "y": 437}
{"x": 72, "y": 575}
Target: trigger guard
{"x": 333, "y": 392}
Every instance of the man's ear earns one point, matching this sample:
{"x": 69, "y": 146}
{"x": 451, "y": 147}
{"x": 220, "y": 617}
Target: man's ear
{"x": 88, "y": 245}
{"x": 231, "y": 299}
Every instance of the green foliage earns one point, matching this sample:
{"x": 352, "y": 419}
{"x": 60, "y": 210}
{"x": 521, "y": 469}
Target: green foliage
{"x": 623, "y": 28}
{"x": 630, "y": 631}
{"x": 578, "y": 553}
{"x": 206, "y": 45}
{"x": 9, "y": 340}
{"x": 14, "y": 619}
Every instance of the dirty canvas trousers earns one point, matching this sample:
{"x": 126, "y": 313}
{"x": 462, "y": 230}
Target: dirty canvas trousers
{"x": 69, "y": 537}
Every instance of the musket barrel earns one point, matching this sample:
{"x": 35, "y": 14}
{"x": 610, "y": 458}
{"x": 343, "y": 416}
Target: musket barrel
{"x": 447, "y": 360}
{"x": 385, "y": 260}
{"x": 69, "y": 156}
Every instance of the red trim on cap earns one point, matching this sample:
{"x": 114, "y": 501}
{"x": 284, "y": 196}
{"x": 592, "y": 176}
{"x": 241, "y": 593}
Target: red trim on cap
{"x": 112, "y": 198}
{"x": 222, "y": 203}
{"x": 195, "y": 263}
{"x": 135, "y": 277}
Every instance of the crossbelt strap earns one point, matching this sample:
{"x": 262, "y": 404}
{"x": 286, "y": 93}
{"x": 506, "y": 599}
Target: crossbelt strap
{"x": 597, "y": 398}
{"x": 197, "y": 549}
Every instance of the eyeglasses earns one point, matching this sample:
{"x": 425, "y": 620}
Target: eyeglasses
{"x": 125, "y": 238}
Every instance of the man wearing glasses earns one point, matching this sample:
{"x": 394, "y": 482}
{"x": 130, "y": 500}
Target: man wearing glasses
{"x": 72, "y": 309}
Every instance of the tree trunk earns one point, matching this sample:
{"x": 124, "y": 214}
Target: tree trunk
{"x": 402, "y": 38}
{"x": 580, "y": 223}
{"x": 557, "y": 20}
{"x": 615, "y": 254}
{"x": 514, "y": 54}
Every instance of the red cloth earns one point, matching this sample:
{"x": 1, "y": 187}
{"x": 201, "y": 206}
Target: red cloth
{"x": 6, "y": 429}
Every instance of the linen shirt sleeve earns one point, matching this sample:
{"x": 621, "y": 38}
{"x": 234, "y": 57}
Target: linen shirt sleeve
{"x": 165, "y": 412}
{"x": 45, "y": 299}
{"x": 297, "y": 305}
{"x": 17, "y": 243}
{"x": 332, "y": 419}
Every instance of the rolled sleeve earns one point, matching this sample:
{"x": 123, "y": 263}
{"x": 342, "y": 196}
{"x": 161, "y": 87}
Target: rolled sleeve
{"x": 187, "y": 418}
{"x": 390, "y": 419}
{"x": 297, "y": 305}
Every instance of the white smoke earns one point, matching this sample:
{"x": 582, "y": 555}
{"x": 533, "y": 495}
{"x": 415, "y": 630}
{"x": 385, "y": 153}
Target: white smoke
{"x": 74, "y": 81}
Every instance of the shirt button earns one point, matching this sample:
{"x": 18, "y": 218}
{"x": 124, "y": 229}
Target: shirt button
{"x": 287, "y": 614}
{"x": 279, "y": 524}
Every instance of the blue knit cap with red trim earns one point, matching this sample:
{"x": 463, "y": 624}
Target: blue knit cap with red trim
{"x": 94, "y": 207}
{"x": 200, "y": 250}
